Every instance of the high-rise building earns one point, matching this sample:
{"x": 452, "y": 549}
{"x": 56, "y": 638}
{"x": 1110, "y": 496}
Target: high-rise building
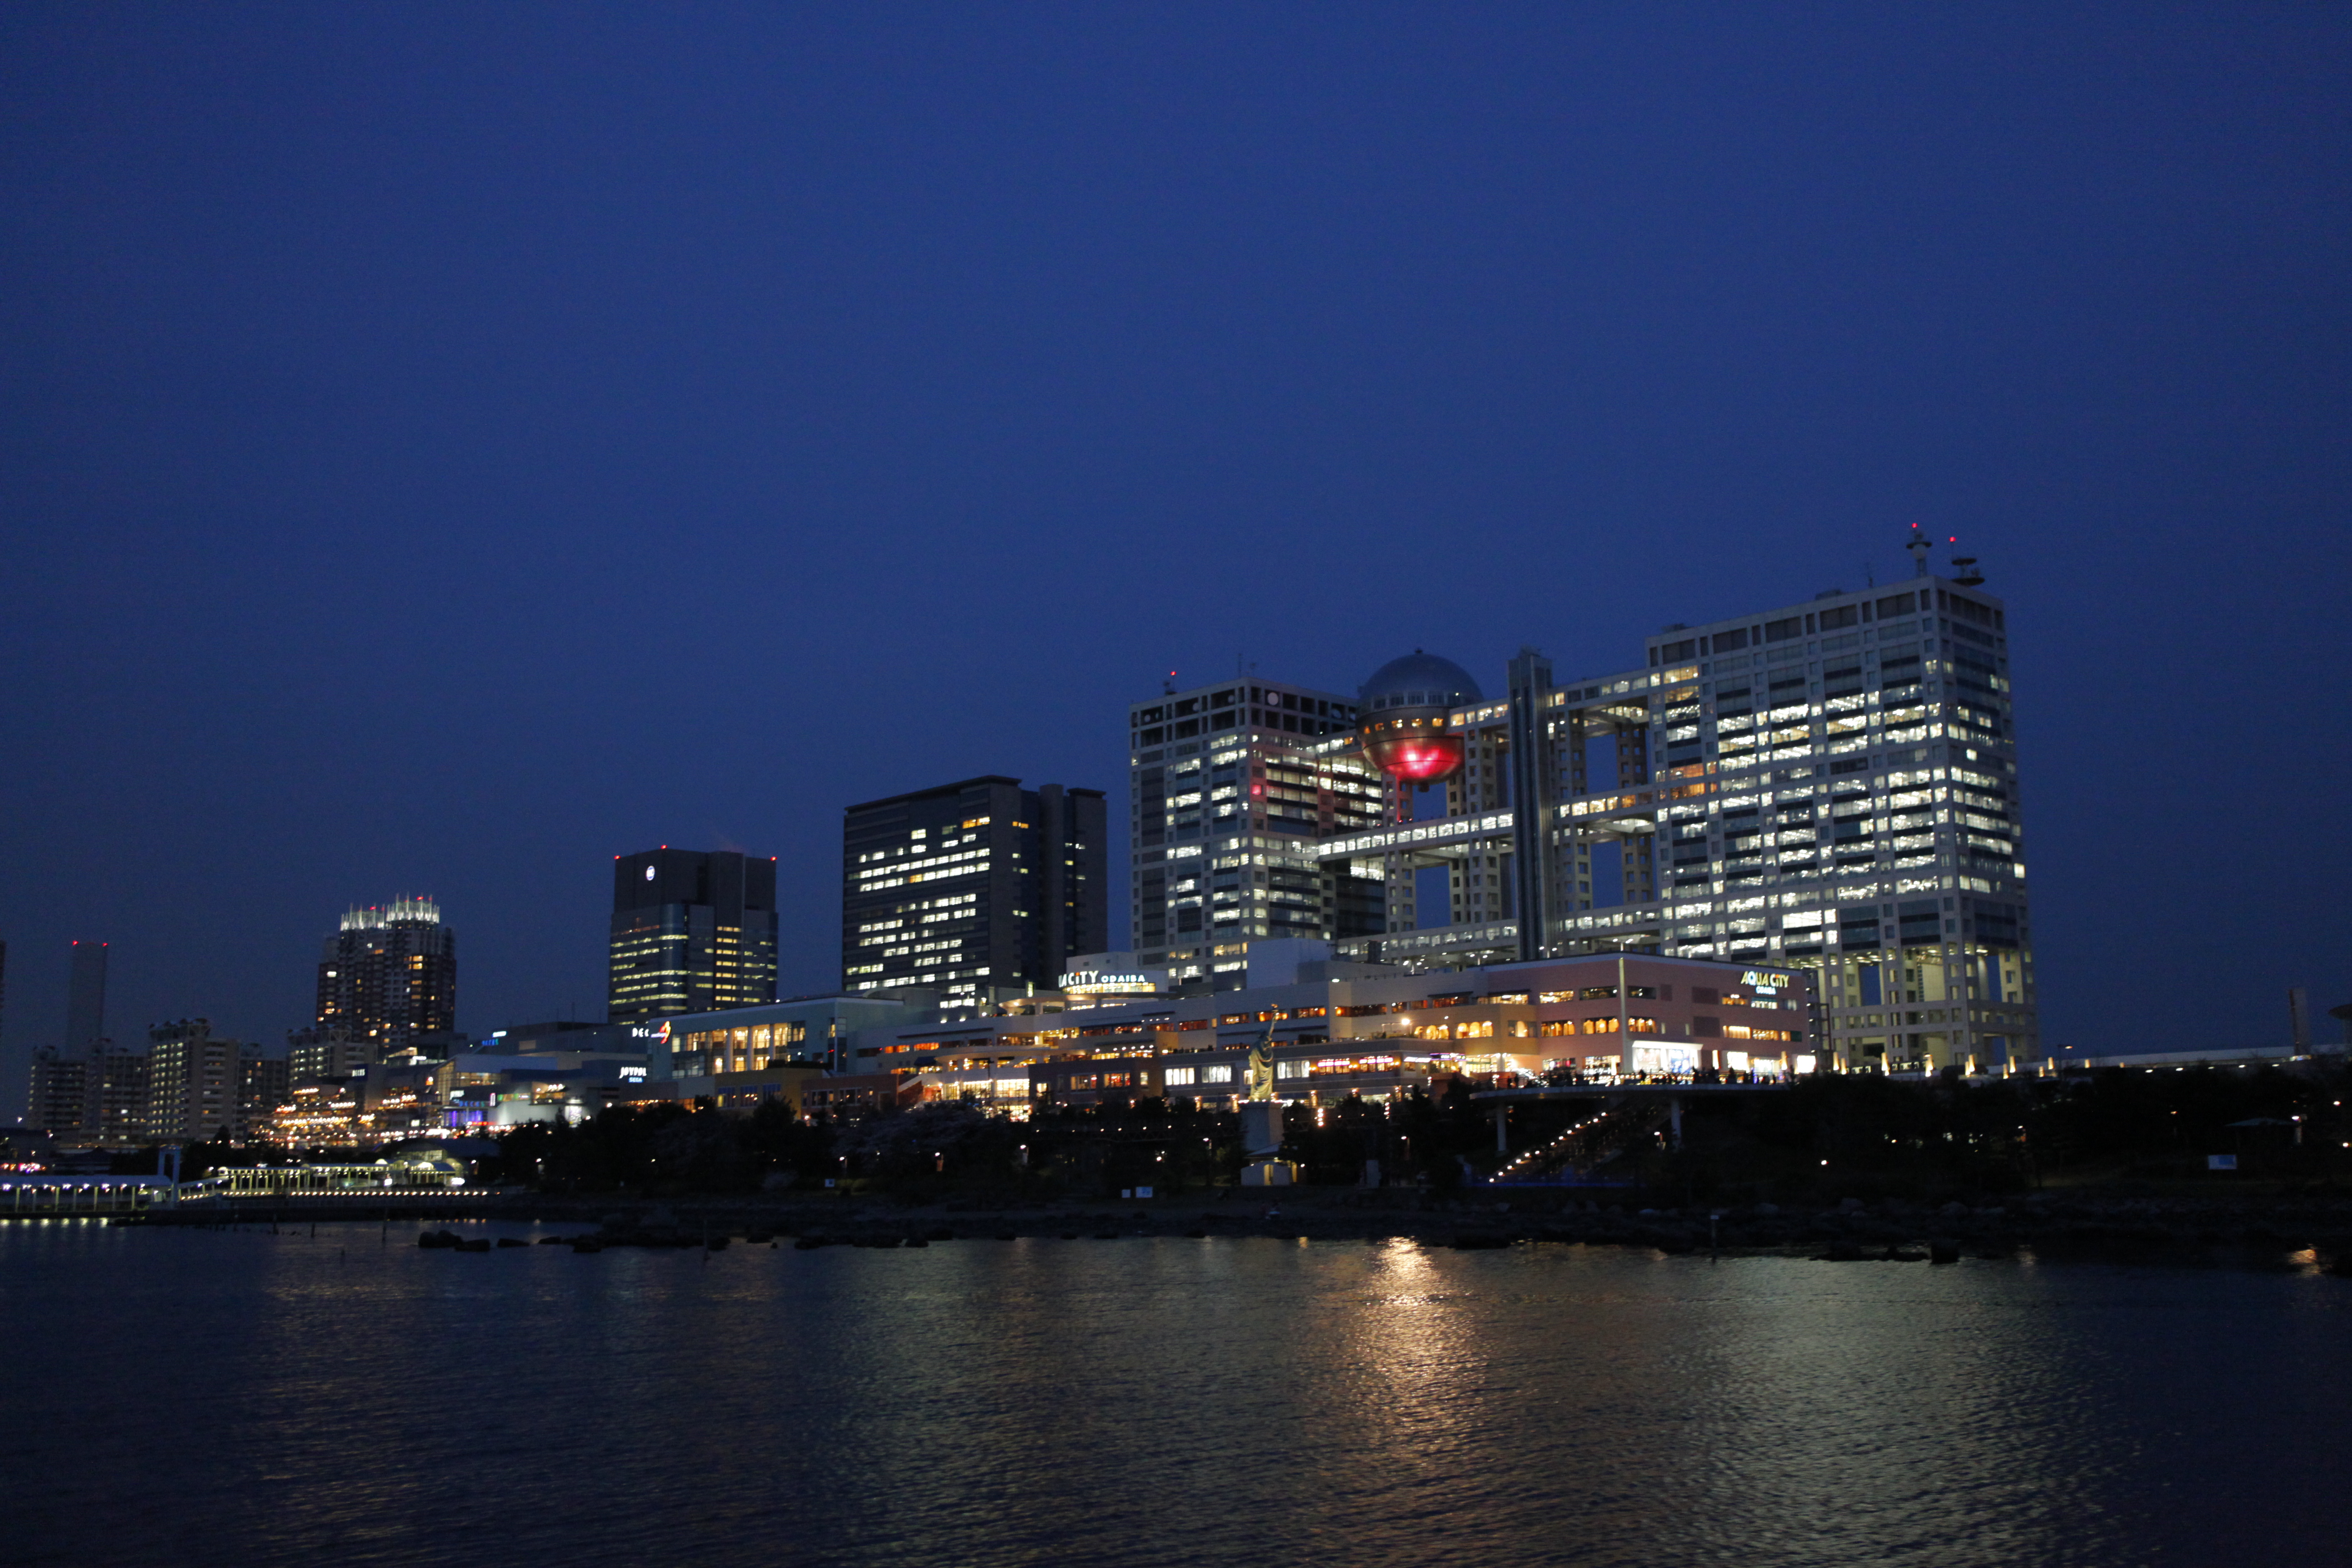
{"x": 85, "y": 1092}
{"x": 60, "y": 1092}
{"x": 114, "y": 1109}
{"x": 200, "y": 1087}
{"x": 387, "y": 974}
{"x": 1830, "y": 785}
{"x": 693, "y": 931}
{"x": 86, "y": 999}
{"x": 971, "y": 888}
{"x": 1230, "y": 788}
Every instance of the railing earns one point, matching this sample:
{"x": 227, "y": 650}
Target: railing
{"x": 44, "y": 1195}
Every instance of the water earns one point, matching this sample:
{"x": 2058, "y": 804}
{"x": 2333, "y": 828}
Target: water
{"x": 197, "y": 1398}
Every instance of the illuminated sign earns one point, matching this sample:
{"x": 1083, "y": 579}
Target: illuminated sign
{"x": 1758, "y": 977}
{"x": 1097, "y": 982}
{"x": 633, "y": 1075}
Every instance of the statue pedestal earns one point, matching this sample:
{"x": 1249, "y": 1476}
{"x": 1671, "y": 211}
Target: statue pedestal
{"x": 1261, "y": 1127}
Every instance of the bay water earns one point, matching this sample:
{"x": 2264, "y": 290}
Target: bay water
{"x": 239, "y": 1398}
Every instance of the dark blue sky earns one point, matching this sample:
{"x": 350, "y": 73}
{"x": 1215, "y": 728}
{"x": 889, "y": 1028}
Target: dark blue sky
{"x": 448, "y": 446}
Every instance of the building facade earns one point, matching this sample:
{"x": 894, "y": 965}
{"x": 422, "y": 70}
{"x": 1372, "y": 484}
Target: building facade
{"x": 805, "y": 1029}
{"x": 1229, "y": 787}
{"x": 1830, "y": 785}
{"x": 1333, "y": 1029}
{"x": 60, "y": 1092}
{"x": 388, "y": 974}
{"x": 201, "y": 1088}
{"x": 972, "y": 890}
{"x": 692, "y": 931}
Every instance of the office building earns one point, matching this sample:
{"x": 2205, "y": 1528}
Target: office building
{"x": 200, "y": 1087}
{"x": 388, "y": 974}
{"x": 692, "y": 931}
{"x": 972, "y": 890}
{"x": 1229, "y": 787}
{"x": 1830, "y": 785}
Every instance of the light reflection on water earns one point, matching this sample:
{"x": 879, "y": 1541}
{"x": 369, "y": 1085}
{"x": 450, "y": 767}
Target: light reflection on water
{"x": 250, "y": 1399}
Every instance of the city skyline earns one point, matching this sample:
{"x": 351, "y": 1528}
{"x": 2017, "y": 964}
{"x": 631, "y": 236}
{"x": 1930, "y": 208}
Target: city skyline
{"x": 96, "y": 952}
{"x": 627, "y": 460}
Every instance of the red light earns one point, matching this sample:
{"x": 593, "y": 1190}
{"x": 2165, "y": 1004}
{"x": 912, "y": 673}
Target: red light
{"x": 1418, "y": 759}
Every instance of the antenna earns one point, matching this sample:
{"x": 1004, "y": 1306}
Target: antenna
{"x": 1918, "y": 544}
{"x": 1168, "y": 687}
{"x": 1964, "y": 569}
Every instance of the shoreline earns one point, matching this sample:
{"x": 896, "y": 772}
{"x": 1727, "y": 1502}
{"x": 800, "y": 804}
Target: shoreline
{"x": 2290, "y": 1232}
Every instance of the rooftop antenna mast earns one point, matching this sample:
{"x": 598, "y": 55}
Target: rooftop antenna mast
{"x": 1918, "y": 544}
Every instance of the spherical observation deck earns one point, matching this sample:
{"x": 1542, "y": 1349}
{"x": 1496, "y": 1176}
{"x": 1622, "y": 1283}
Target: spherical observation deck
{"x": 1400, "y": 714}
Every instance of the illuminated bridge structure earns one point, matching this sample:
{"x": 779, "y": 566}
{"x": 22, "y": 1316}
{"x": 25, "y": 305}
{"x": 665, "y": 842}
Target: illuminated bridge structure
{"x": 435, "y": 1175}
{"x": 44, "y": 1196}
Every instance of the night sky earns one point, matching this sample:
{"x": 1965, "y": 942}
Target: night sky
{"x": 446, "y": 446}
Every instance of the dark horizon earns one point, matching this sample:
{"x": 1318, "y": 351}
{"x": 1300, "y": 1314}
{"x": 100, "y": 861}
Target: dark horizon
{"x": 446, "y": 450}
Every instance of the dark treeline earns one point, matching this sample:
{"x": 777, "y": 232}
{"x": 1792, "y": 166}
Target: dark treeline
{"x": 1828, "y": 1137}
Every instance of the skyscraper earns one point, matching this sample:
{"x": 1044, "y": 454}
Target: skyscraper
{"x": 388, "y": 974}
{"x": 86, "y": 999}
{"x": 971, "y": 887}
{"x": 692, "y": 931}
{"x": 1230, "y": 786}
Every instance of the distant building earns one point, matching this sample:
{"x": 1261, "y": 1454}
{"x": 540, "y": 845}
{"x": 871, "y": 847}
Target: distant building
{"x": 60, "y": 1092}
{"x": 807, "y": 1028}
{"x": 692, "y": 931}
{"x": 972, "y": 890}
{"x": 566, "y": 1036}
{"x": 323, "y": 1051}
{"x": 388, "y": 974}
{"x": 88, "y": 1093}
{"x": 86, "y": 999}
{"x": 114, "y": 1105}
{"x": 200, "y": 1087}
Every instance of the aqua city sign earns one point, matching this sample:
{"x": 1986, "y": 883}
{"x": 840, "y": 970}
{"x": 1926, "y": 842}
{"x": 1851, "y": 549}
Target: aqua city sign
{"x": 1090, "y": 982}
{"x": 1758, "y": 977}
